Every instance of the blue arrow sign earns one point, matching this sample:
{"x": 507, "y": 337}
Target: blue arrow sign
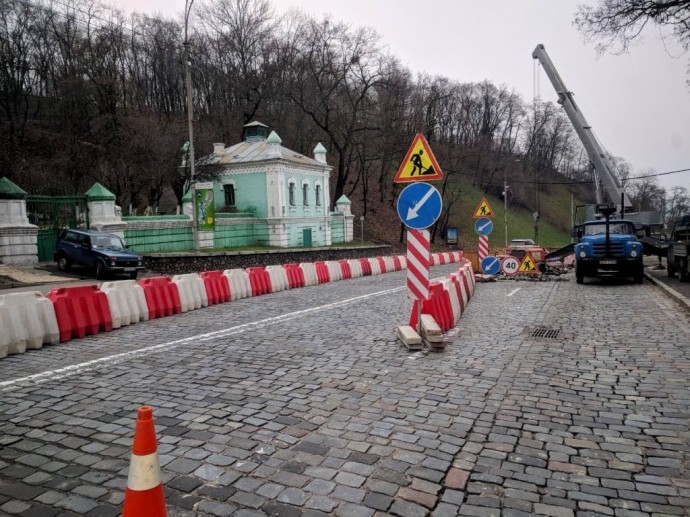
{"x": 419, "y": 205}
{"x": 483, "y": 226}
{"x": 491, "y": 265}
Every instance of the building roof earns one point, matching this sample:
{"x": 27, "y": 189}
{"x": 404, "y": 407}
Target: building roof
{"x": 9, "y": 190}
{"x": 99, "y": 193}
{"x": 257, "y": 151}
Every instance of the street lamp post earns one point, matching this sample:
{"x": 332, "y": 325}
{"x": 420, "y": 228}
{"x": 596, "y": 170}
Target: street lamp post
{"x": 361, "y": 221}
{"x": 190, "y": 115}
{"x": 505, "y": 205}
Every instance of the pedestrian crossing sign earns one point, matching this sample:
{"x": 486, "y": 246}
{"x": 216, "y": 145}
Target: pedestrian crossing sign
{"x": 419, "y": 163}
{"x": 528, "y": 265}
{"x": 483, "y": 210}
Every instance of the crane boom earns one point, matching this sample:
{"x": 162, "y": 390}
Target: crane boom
{"x": 607, "y": 187}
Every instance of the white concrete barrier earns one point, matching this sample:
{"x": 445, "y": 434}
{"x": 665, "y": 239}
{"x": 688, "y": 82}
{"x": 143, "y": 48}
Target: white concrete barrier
{"x": 240, "y": 287}
{"x": 355, "y": 268}
{"x": 403, "y": 262}
{"x": 447, "y": 256}
{"x": 335, "y": 272}
{"x": 127, "y": 302}
{"x": 463, "y": 292}
{"x": 279, "y": 278}
{"x": 390, "y": 265}
{"x": 27, "y": 321}
{"x": 454, "y": 300}
{"x": 469, "y": 274}
{"x": 375, "y": 266}
{"x": 192, "y": 291}
{"x": 310, "y": 277}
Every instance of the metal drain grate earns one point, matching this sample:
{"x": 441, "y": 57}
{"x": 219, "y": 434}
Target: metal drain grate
{"x": 546, "y": 333}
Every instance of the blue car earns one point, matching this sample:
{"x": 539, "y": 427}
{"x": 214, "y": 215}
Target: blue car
{"x": 103, "y": 253}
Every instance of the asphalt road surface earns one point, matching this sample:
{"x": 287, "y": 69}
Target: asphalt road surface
{"x": 554, "y": 399}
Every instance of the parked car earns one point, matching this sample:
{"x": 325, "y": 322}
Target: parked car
{"x": 521, "y": 242}
{"x": 103, "y": 253}
{"x": 518, "y": 248}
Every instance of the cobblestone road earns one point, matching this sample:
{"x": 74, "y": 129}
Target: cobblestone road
{"x": 302, "y": 403}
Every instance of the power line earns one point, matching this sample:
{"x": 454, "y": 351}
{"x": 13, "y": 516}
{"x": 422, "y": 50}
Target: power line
{"x": 657, "y": 174}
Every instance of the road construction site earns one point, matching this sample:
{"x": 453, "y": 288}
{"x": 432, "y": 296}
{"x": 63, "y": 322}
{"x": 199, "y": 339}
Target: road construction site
{"x": 549, "y": 398}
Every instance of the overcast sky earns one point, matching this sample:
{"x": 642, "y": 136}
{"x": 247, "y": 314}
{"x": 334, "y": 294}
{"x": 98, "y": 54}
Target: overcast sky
{"x": 637, "y": 103}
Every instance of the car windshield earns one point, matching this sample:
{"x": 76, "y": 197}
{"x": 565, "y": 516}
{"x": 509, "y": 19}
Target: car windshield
{"x": 614, "y": 228}
{"x": 108, "y": 241}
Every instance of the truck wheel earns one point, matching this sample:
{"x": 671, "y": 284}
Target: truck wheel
{"x": 579, "y": 276}
{"x": 133, "y": 276}
{"x": 639, "y": 275}
{"x": 683, "y": 270}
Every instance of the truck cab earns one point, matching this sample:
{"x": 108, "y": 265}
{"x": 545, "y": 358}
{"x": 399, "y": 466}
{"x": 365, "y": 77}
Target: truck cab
{"x": 678, "y": 248}
{"x": 608, "y": 247}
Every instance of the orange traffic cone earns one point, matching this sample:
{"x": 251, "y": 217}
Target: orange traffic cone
{"x": 144, "y": 495}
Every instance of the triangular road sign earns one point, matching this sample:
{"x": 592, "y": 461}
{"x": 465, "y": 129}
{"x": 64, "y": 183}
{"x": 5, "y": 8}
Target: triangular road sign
{"x": 528, "y": 265}
{"x": 419, "y": 163}
{"x": 483, "y": 210}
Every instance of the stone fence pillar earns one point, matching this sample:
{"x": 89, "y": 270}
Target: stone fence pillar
{"x": 18, "y": 238}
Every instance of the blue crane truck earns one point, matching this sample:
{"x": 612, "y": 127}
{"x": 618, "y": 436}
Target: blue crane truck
{"x": 608, "y": 247}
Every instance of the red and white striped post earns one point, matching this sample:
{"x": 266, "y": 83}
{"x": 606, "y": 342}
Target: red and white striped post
{"x": 483, "y": 247}
{"x": 418, "y": 261}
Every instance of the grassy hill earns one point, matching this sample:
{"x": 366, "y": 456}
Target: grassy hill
{"x": 382, "y": 223}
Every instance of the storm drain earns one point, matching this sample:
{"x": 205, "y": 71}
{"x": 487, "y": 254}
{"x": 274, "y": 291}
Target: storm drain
{"x": 546, "y": 333}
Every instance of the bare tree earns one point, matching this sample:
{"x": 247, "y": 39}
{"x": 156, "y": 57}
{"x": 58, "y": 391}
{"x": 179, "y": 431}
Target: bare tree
{"x": 618, "y": 23}
{"x": 336, "y": 74}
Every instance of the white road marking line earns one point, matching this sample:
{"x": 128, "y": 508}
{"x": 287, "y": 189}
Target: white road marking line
{"x": 511, "y": 293}
{"x": 117, "y": 358}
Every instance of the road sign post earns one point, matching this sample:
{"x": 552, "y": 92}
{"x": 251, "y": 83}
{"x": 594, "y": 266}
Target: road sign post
{"x": 418, "y": 262}
{"x": 484, "y": 226}
{"x": 419, "y": 206}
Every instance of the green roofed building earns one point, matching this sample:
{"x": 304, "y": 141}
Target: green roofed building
{"x": 285, "y": 190}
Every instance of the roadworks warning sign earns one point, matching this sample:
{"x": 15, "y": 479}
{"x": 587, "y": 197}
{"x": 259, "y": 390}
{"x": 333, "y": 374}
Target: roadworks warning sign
{"x": 528, "y": 265}
{"x": 483, "y": 210}
{"x": 419, "y": 163}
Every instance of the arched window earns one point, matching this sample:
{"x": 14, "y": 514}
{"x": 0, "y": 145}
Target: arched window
{"x": 317, "y": 194}
{"x": 291, "y": 193}
{"x": 305, "y": 193}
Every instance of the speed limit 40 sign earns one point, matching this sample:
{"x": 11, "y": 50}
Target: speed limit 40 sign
{"x": 510, "y": 265}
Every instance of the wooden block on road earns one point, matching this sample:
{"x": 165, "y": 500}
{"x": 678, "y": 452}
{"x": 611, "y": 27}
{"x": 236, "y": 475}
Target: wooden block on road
{"x": 429, "y": 326}
{"x": 409, "y": 337}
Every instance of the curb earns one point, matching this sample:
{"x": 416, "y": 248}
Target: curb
{"x": 669, "y": 290}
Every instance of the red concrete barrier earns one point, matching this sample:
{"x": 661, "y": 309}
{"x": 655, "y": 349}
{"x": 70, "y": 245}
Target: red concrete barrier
{"x": 366, "y": 267}
{"x": 162, "y": 296}
{"x": 295, "y": 275}
{"x": 260, "y": 281}
{"x": 80, "y": 311}
{"x": 217, "y": 286}
{"x": 322, "y": 273}
{"x": 438, "y": 306}
{"x": 345, "y": 268}
{"x": 396, "y": 263}
{"x": 382, "y": 264}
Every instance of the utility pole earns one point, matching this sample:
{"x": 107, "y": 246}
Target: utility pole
{"x": 190, "y": 116}
{"x": 505, "y": 205}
